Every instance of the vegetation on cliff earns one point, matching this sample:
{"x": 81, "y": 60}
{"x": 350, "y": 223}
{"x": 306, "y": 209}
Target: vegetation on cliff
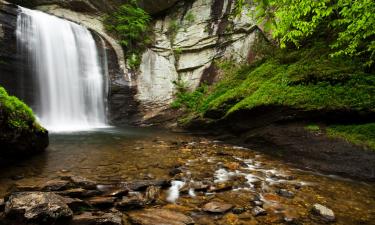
{"x": 130, "y": 24}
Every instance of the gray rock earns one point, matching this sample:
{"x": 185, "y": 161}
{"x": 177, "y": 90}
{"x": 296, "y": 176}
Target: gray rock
{"x": 81, "y": 182}
{"x": 88, "y": 218}
{"x": 141, "y": 185}
{"x": 258, "y": 211}
{"x": 37, "y": 206}
{"x": 217, "y": 207}
{"x": 323, "y": 212}
{"x": 159, "y": 217}
{"x": 285, "y": 193}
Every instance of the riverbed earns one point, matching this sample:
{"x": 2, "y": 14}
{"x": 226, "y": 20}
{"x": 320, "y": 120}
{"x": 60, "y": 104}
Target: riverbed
{"x": 201, "y": 170}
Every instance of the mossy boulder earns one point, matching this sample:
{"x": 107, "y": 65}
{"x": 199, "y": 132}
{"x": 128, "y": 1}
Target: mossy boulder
{"x": 20, "y": 133}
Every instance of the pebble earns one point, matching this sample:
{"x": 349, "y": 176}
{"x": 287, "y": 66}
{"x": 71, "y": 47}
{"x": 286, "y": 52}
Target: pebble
{"x": 325, "y": 213}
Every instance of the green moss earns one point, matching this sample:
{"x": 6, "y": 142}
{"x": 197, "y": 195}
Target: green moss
{"x": 312, "y": 127}
{"x": 17, "y": 115}
{"x": 359, "y": 134}
{"x": 306, "y": 79}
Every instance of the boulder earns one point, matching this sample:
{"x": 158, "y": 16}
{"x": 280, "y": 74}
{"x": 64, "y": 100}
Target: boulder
{"x": 217, "y": 207}
{"x": 323, "y": 212}
{"x": 159, "y": 217}
{"x": 37, "y": 206}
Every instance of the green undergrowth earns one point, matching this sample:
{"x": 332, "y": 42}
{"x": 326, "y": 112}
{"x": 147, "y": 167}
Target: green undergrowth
{"x": 359, "y": 134}
{"x": 15, "y": 114}
{"x": 307, "y": 79}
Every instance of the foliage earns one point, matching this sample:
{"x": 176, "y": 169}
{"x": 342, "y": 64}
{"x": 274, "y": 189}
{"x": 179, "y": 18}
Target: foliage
{"x": 187, "y": 99}
{"x": 312, "y": 128}
{"x": 359, "y": 134}
{"x": 351, "y": 23}
{"x": 307, "y": 79}
{"x": 16, "y": 113}
{"x": 130, "y": 24}
{"x": 189, "y": 17}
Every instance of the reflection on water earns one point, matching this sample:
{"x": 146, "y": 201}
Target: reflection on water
{"x": 118, "y": 155}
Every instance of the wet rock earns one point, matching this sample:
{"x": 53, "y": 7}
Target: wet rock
{"x": 102, "y": 202}
{"x": 76, "y": 204}
{"x": 133, "y": 201}
{"x": 37, "y": 206}
{"x": 159, "y": 217}
{"x": 81, "y": 182}
{"x": 238, "y": 210}
{"x": 152, "y": 193}
{"x": 219, "y": 187}
{"x": 285, "y": 193}
{"x": 217, "y": 207}
{"x": 142, "y": 185}
{"x": 258, "y": 203}
{"x": 323, "y": 212}
{"x": 24, "y": 187}
{"x": 88, "y": 218}
{"x": 258, "y": 211}
{"x": 80, "y": 193}
{"x": 2, "y": 205}
{"x": 175, "y": 171}
{"x": 56, "y": 185}
{"x": 119, "y": 192}
{"x": 232, "y": 165}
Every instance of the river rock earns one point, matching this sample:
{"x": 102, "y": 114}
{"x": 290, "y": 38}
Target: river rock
{"x": 88, "y": 218}
{"x": 76, "y": 204}
{"x": 217, "y": 207}
{"x": 119, "y": 192}
{"x": 152, "y": 193}
{"x": 37, "y": 206}
{"x": 80, "y": 193}
{"x": 258, "y": 211}
{"x": 81, "y": 182}
{"x": 159, "y": 217}
{"x": 134, "y": 200}
{"x": 323, "y": 212}
{"x": 285, "y": 193}
{"x": 2, "y": 205}
{"x": 102, "y": 202}
{"x": 56, "y": 185}
{"x": 142, "y": 185}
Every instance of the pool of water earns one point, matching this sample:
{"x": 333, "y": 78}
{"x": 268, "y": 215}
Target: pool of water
{"x": 115, "y": 155}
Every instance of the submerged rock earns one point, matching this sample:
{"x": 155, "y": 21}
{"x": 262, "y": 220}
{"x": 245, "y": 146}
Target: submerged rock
{"x": 217, "y": 207}
{"x": 159, "y": 217}
{"x": 37, "y": 206}
{"x": 88, "y": 218}
{"x": 258, "y": 211}
{"x": 56, "y": 185}
{"x": 285, "y": 193}
{"x": 81, "y": 182}
{"x": 323, "y": 212}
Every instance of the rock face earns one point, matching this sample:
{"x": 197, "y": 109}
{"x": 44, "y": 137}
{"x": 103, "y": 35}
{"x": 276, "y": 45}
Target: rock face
{"x": 37, "y": 206}
{"x": 188, "y": 38}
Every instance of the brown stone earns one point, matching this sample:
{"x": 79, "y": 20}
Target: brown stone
{"x": 56, "y": 185}
{"x": 134, "y": 200}
{"x": 102, "y": 202}
{"x": 88, "y": 218}
{"x": 217, "y": 207}
{"x": 159, "y": 217}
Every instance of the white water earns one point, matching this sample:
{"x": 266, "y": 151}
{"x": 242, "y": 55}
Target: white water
{"x": 66, "y": 66}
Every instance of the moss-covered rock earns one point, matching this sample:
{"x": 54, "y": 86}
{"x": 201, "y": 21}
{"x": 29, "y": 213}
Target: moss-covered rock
{"x": 20, "y": 133}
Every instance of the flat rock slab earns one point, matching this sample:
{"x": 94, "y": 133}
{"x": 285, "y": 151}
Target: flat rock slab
{"x": 89, "y": 218}
{"x": 217, "y": 207}
{"x": 142, "y": 185}
{"x": 56, "y": 185}
{"x": 159, "y": 217}
{"x": 102, "y": 201}
{"x": 37, "y": 206}
{"x": 323, "y": 212}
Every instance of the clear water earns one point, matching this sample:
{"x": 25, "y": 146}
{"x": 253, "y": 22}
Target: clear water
{"x": 65, "y": 64}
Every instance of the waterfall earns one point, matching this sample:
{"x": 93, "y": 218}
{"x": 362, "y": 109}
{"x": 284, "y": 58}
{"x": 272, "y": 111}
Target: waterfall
{"x": 67, "y": 70}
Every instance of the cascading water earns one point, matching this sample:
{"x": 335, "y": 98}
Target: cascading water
{"x": 65, "y": 64}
